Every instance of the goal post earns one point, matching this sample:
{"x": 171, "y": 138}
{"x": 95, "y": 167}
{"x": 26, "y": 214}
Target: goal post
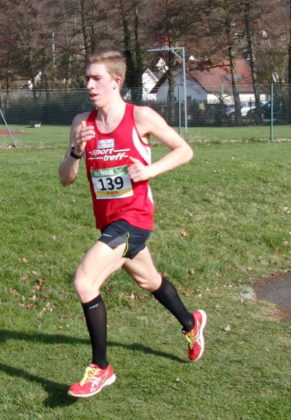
{"x": 8, "y": 129}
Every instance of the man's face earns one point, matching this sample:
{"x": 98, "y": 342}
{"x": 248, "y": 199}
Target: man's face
{"x": 100, "y": 84}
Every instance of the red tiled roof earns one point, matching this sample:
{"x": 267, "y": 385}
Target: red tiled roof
{"x": 214, "y": 76}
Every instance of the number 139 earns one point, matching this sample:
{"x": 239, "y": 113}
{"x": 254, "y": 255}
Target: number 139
{"x": 110, "y": 184}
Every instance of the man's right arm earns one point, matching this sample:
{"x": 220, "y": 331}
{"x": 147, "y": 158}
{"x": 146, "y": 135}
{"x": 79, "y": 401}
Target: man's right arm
{"x": 80, "y": 134}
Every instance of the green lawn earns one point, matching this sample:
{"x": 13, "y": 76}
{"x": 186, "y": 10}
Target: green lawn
{"x": 222, "y": 222}
{"x": 52, "y": 136}
{"x": 246, "y": 133}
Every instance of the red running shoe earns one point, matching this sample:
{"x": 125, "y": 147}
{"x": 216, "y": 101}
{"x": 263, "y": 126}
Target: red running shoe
{"x": 195, "y": 337}
{"x": 94, "y": 380}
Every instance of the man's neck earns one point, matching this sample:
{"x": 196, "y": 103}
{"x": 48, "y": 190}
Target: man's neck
{"x": 109, "y": 117}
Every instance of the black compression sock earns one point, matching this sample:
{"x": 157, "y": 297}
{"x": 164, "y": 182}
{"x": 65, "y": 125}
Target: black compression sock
{"x": 96, "y": 320}
{"x": 167, "y": 295}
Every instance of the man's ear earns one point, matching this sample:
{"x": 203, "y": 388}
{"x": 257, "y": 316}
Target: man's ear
{"x": 118, "y": 82}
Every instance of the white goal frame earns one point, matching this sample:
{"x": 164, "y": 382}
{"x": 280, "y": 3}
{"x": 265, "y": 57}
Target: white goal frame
{"x": 8, "y": 129}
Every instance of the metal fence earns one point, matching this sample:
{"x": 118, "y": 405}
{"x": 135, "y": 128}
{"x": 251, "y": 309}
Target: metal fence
{"x": 58, "y": 107}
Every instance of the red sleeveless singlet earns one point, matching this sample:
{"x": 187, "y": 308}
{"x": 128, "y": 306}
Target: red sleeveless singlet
{"x": 115, "y": 196}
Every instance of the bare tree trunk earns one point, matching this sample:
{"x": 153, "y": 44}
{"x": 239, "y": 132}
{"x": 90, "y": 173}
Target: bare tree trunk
{"x": 67, "y": 64}
{"x": 7, "y": 72}
{"x": 252, "y": 59}
{"x": 289, "y": 65}
{"x": 127, "y": 46}
{"x": 8, "y": 59}
{"x": 133, "y": 55}
{"x": 138, "y": 57}
{"x": 84, "y": 30}
{"x": 231, "y": 56}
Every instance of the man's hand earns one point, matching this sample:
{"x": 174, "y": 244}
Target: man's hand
{"x": 81, "y": 135}
{"x": 138, "y": 171}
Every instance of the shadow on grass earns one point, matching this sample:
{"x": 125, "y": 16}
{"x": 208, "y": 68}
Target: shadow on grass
{"x": 57, "y": 392}
{"x": 63, "y": 339}
{"x": 146, "y": 350}
{"x": 40, "y": 338}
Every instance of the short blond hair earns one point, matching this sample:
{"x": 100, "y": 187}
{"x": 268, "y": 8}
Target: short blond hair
{"x": 113, "y": 60}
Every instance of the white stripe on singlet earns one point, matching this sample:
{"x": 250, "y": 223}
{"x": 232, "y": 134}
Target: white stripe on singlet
{"x": 143, "y": 149}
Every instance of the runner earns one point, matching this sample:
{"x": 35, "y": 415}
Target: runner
{"x": 114, "y": 141}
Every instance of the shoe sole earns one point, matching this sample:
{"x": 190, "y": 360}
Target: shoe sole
{"x": 201, "y": 337}
{"x": 108, "y": 382}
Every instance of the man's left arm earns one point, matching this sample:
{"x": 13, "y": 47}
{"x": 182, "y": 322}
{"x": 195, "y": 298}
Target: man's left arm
{"x": 150, "y": 123}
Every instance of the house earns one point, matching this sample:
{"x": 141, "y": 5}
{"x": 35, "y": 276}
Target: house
{"x": 208, "y": 82}
{"x": 149, "y": 80}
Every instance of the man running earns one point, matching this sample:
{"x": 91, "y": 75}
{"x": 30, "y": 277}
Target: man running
{"x": 114, "y": 141}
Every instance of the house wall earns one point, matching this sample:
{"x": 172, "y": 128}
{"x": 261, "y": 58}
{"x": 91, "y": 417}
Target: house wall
{"x": 148, "y": 82}
{"x": 194, "y": 90}
{"x": 228, "y": 100}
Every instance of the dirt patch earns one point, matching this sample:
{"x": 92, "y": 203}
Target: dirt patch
{"x": 276, "y": 289}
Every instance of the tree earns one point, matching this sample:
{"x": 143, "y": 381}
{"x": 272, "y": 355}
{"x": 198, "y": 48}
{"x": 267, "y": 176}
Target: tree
{"x": 26, "y": 38}
{"x": 223, "y": 20}
{"x": 129, "y": 14}
{"x": 54, "y": 38}
{"x": 251, "y": 16}
{"x": 170, "y": 26}
{"x": 6, "y": 45}
{"x": 289, "y": 64}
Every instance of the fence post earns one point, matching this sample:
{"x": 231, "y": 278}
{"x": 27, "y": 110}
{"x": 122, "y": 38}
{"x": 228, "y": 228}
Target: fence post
{"x": 179, "y": 109}
{"x": 272, "y": 114}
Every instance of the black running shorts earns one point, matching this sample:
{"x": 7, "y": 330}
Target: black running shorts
{"x": 121, "y": 232}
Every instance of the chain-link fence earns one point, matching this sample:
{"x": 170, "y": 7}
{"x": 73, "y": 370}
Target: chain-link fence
{"x": 54, "y": 107}
{"x": 262, "y": 106}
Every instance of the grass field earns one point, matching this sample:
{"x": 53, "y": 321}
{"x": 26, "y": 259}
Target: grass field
{"x": 222, "y": 222}
{"x": 52, "y": 136}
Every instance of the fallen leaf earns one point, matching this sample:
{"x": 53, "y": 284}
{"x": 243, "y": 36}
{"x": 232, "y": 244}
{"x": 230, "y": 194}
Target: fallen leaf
{"x": 165, "y": 275}
{"x": 131, "y": 296}
{"x": 227, "y": 328}
{"x": 187, "y": 293}
{"x": 34, "y": 273}
{"x": 27, "y": 306}
{"x": 14, "y": 292}
{"x": 49, "y": 307}
{"x": 39, "y": 284}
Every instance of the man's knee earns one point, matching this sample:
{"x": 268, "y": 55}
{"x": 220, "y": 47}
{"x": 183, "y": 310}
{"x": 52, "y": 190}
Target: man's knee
{"x": 149, "y": 284}
{"x": 80, "y": 284}
{"x": 85, "y": 286}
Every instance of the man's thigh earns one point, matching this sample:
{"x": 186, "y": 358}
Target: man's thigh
{"x": 100, "y": 262}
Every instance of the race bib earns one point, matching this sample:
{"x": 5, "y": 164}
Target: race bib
{"x": 112, "y": 183}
